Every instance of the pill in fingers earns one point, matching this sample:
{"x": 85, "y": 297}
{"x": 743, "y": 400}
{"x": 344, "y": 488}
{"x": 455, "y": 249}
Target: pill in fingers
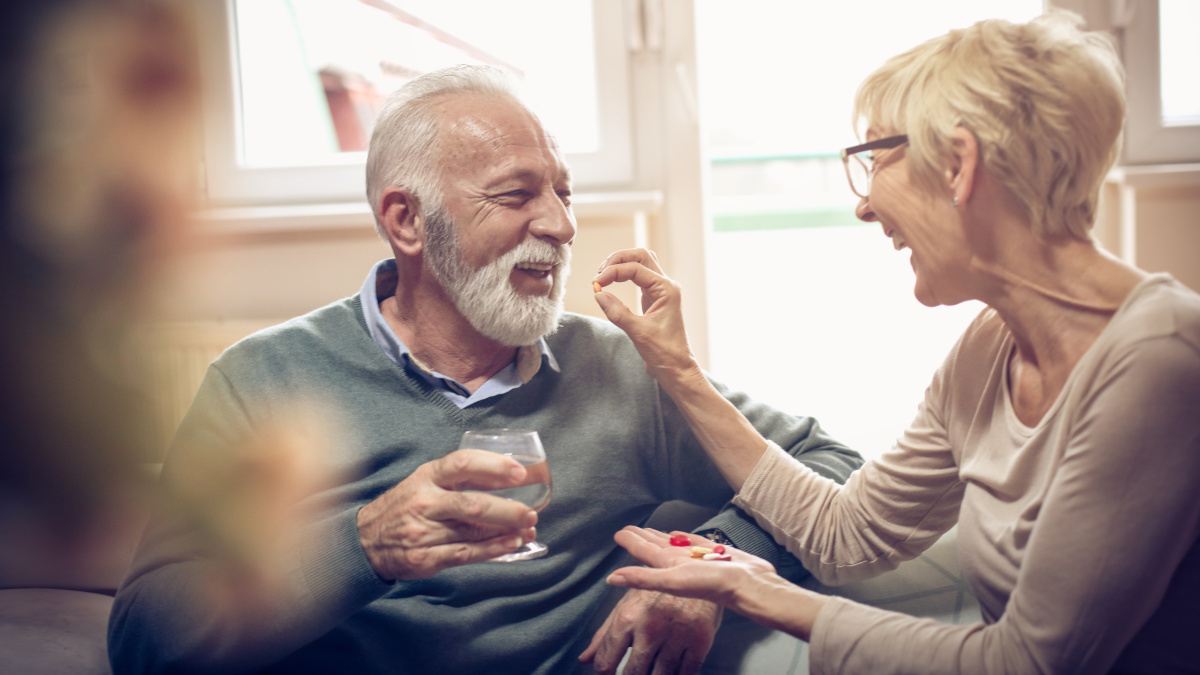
{"x": 596, "y": 286}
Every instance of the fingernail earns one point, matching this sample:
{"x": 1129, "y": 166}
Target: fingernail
{"x": 615, "y": 579}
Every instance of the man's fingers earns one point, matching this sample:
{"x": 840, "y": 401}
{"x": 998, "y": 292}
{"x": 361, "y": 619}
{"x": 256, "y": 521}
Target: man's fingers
{"x": 611, "y": 646}
{"x": 464, "y": 512}
{"x": 590, "y": 653}
{"x": 436, "y": 558}
{"x": 479, "y": 469}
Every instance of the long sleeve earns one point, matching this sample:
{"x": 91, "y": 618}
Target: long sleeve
{"x": 1118, "y": 522}
{"x": 170, "y": 617}
{"x": 1079, "y": 534}
{"x": 808, "y": 445}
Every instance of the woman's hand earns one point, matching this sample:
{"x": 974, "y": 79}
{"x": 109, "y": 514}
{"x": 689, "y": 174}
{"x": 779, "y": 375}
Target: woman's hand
{"x": 659, "y": 333}
{"x": 674, "y": 571}
{"x": 746, "y": 584}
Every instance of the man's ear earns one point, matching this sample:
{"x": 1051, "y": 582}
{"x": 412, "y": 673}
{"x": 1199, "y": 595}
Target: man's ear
{"x": 400, "y": 214}
{"x": 963, "y": 163}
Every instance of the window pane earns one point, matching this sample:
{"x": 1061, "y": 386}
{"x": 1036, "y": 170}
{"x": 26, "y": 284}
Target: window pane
{"x": 1179, "y": 24}
{"x": 313, "y": 73}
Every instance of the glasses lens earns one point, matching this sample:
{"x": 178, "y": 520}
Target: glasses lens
{"x": 860, "y": 175}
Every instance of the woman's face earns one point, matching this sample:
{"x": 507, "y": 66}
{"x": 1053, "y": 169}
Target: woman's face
{"x": 926, "y": 224}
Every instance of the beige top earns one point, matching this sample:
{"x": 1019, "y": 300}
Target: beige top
{"x": 1078, "y": 535}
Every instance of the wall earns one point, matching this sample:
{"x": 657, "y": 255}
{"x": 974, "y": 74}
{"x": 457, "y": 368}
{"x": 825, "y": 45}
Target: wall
{"x": 1168, "y": 232}
{"x": 1150, "y": 217}
{"x": 262, "y": 275}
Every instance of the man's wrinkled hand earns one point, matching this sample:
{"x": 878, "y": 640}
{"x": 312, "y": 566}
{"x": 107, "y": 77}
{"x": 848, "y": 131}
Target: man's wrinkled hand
{"x": 424, "y": 524}
{"x": 663, "y": 634}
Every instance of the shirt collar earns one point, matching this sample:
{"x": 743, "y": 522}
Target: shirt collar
{"x": 380, "y": 284}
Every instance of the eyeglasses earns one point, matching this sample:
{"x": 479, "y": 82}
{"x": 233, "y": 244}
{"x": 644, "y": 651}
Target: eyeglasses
{"x": 860, "y": 167}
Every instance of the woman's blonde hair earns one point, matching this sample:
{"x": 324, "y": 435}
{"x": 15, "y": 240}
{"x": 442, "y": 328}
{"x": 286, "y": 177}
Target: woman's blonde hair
{"x": 1044, "y": 99}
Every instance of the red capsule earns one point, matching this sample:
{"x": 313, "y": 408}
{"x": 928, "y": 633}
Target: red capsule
{"x": 681, "y": 540}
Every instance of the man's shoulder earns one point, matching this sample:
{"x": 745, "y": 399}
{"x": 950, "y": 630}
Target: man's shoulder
{"x": 318, "y": 329}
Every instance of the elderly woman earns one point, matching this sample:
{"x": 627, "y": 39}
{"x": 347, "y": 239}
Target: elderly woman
{"x": 1062, "y": 432}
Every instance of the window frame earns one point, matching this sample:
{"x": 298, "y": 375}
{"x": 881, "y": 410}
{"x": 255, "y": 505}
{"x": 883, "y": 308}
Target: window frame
{"x": 1147, "y": 139}
{"x": 229, "y": 183}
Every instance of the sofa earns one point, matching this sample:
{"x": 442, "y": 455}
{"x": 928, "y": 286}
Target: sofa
{"x": 57, "y": 583}
{"x": 56, "y": 593}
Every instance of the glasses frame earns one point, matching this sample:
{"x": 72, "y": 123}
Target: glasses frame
{"x": 853, "y": 151}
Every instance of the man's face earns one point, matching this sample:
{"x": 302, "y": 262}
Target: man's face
{"x": 500, "y": 244}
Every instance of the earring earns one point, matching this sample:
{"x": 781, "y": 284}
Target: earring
{"x": 955, "y": 200}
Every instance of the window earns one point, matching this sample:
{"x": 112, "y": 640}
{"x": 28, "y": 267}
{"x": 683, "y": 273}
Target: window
{"x": 811, "y": 310}
{"x": 1162, "y": 59}
{"x": 294, "y": 85}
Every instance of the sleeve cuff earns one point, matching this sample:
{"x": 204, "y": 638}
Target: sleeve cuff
{"x": 339, "y": 577}
{"x": 747, "y": 534}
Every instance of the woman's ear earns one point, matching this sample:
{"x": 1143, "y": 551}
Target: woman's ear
{"x": 400, "y": 214}
{"x": 963, "y": 165}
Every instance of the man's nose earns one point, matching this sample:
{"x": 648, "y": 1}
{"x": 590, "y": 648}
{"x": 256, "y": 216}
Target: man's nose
{"x": 554, "y": 221}
{"x": 863, "y": 211}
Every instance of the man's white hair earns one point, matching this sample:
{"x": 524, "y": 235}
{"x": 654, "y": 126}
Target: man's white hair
{"x": 404, "y": 144}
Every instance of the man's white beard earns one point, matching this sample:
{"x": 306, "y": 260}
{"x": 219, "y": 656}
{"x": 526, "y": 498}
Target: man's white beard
{"x": 486, "y": 297}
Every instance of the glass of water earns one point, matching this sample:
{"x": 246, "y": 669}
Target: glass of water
{"x": 525, "y": 446}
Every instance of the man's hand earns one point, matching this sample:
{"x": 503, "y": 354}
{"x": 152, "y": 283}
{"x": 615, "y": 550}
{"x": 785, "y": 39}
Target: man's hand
{"x": 666, "y": 634}
{"x": 424, "y": 525}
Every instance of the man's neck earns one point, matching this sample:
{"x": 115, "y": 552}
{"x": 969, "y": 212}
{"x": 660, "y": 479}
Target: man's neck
{"x": 438, "y": 336}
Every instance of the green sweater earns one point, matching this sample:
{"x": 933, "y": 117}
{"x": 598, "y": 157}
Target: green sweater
{"x": 617, "y": 449}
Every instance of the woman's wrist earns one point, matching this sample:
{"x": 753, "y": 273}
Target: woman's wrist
{"x": 776, "y": 603}
{"x": 684, "y": 375}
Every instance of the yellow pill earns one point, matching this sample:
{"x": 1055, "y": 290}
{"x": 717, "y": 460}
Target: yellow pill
{"x": 596, "y": 286}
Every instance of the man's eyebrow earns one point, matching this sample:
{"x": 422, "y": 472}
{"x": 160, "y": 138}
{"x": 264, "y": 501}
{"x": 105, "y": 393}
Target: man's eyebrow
{"x": 526, "y": 176}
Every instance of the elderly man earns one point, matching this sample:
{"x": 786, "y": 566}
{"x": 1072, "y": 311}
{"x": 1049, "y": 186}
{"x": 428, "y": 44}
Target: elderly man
{"x": 464, "y": 329}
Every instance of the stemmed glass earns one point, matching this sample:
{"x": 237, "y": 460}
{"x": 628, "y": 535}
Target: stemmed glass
{"x": 525, "y": 446}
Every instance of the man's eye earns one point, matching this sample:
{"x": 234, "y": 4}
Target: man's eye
{"x": 565, "y": 196}
{"x": 513, "y": 196}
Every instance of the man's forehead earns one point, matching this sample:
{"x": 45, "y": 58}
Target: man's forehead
{"x": 498, "y": 132}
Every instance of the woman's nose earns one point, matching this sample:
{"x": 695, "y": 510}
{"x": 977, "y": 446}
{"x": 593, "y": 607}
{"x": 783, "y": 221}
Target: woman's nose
{"x": 863, "y": 211}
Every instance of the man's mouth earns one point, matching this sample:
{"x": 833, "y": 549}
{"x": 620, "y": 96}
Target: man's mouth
{"x": 538, "y": 270}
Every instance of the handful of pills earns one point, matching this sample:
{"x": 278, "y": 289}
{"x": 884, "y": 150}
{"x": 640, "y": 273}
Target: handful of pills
{"x": 699, "y": 552}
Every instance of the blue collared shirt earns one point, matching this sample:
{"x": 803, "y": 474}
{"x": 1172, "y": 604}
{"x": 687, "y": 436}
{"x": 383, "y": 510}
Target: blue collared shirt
{"x": 529, "y": 358}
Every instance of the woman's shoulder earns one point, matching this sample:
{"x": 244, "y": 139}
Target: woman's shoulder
{"x": 1159, "y": 307}
{"x": 985, "y": 334}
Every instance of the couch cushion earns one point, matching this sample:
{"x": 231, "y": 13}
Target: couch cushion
{"x": 47, "y": 631}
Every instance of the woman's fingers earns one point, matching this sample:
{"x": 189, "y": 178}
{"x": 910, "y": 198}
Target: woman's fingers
{"x": 636, "y": 255}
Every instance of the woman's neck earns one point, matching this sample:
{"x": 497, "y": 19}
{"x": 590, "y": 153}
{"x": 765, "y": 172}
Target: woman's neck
{"x": 1056, "y": 302}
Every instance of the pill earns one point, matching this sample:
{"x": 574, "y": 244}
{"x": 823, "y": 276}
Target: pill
{"x": 717, "y": 556}
{"x": 700, "y": 551}
{"x": 596, "y": 286}
{"x": 681, "y": 540}
{"x": 718, "y": 549}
